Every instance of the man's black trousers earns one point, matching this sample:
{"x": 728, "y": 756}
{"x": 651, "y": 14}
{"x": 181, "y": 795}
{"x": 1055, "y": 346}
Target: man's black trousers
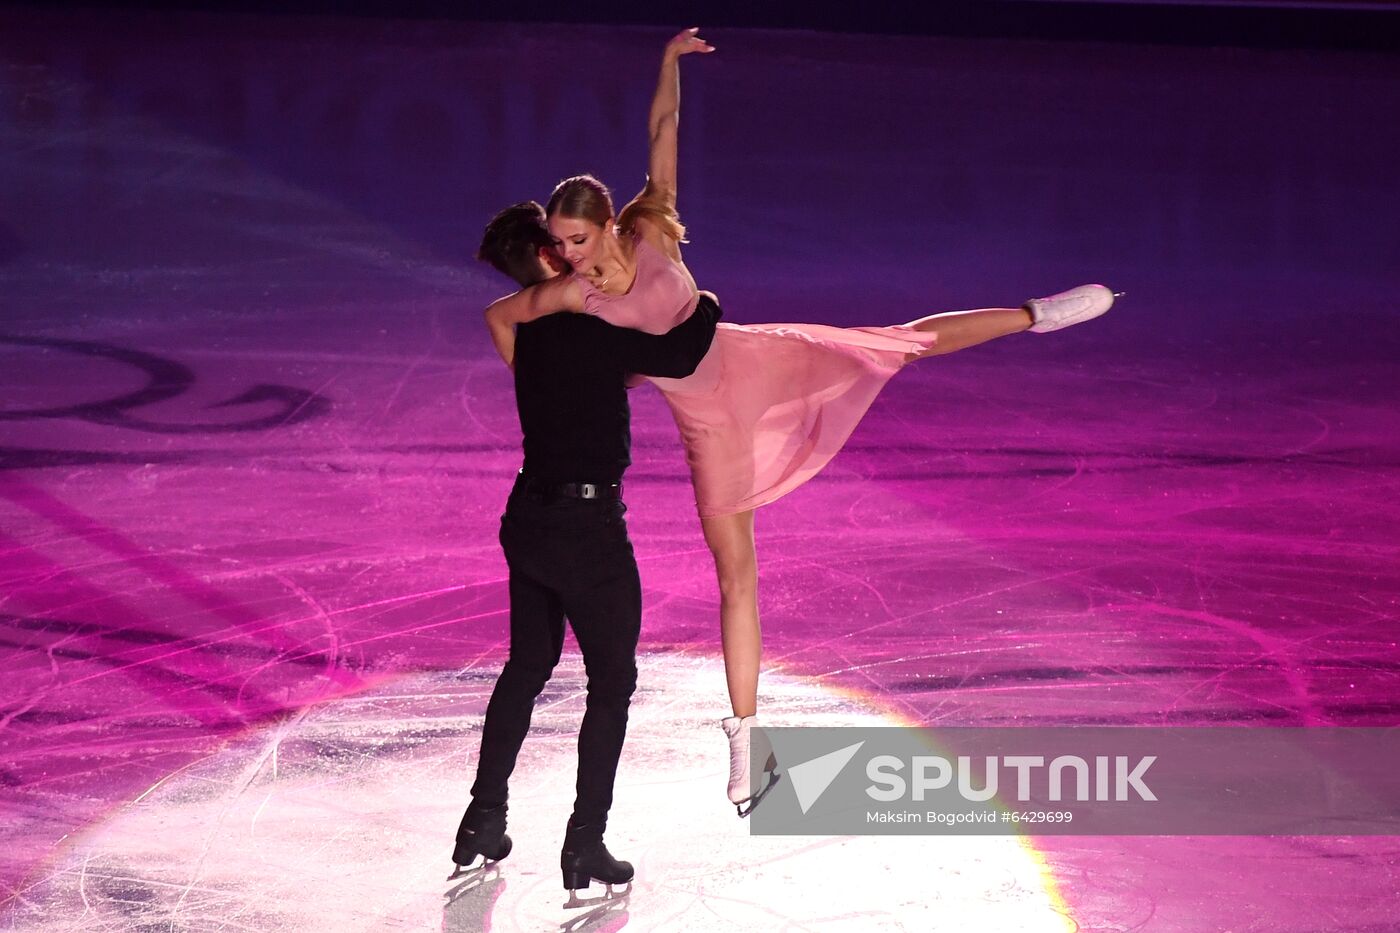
{"x": 567, "y": 558}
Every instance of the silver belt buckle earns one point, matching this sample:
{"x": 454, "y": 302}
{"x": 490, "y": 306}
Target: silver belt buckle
{"x": 588, "y": 491}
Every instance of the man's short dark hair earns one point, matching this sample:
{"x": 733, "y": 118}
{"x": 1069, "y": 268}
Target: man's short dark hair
{"x": 513, "y": 240}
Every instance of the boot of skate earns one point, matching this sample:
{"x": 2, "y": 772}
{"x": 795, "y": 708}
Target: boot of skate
{"x": 481, "y": 832}
{"x": 1066, "y": 309}
{"x": 737, "y": 729}
{"x": 585, "y": 858}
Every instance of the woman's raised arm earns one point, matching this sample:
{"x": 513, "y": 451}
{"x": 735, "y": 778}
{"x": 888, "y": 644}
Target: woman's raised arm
{"x": 664, "y": 120}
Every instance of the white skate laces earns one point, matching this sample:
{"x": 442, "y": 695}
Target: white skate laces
{"x": 741, "y": 745}
{"x": 1066, "y": 309}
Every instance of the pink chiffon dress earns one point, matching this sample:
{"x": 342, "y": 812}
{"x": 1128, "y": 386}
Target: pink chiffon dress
{"x": 770, "y": 404}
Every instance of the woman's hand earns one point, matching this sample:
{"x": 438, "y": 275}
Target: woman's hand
{"x": 686, "y": 42}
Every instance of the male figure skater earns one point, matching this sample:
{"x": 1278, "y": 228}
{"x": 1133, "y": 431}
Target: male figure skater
{"x": 566, "y": 544}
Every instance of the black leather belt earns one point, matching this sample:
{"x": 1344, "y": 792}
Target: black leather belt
{"x": 549, "y": 490}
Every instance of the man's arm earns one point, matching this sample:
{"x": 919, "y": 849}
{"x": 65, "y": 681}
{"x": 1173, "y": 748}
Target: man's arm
{"x": 674, "y": 354}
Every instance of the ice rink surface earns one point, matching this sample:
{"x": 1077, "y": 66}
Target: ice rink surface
{"x": 255, "y": 446}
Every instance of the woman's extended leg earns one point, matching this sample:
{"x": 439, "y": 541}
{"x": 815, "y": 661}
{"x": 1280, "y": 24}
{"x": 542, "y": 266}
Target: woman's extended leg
{"x": 958, "y": 330}
{"x": 730, "y": 538}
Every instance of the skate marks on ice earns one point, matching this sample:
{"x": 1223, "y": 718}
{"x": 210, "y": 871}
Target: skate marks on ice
{"x": 166, "y": 379}
{"x": 470, "y": 900}
{"x": 341, "y": 819}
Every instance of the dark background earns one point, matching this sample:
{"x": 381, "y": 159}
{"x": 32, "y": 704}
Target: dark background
{"x": 1374, "y": 26}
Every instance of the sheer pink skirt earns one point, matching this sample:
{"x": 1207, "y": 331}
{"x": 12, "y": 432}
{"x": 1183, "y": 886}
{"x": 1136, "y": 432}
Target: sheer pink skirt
{"x": 771, "y": 404}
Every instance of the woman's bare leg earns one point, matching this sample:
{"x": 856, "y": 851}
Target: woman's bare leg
{"x": 958, "y": 330}
{"x": 730, "y": 538}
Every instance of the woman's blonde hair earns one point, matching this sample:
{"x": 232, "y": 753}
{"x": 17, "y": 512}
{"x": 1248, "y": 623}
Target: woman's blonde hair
{"x": 585, "y": 197}
{"x": 654, "y": 210}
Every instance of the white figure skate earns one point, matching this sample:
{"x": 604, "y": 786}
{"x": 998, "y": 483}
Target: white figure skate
{"x": 1069, "y": 308}
{"x": 742, "y": 743}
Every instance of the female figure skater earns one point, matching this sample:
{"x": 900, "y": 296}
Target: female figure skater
{"x": 770, "y": 404}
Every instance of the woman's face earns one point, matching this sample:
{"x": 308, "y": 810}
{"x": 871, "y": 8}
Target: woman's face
{"x": 579, "y": 241}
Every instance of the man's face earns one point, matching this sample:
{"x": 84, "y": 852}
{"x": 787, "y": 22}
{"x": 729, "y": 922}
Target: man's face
{"x": 553, "y": 263}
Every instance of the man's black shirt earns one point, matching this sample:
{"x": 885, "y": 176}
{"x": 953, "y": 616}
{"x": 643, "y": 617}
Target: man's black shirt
{"x": 569, "y": 388}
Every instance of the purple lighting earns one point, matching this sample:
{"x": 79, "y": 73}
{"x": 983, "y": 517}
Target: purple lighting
{"x": 255, "y": 446}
